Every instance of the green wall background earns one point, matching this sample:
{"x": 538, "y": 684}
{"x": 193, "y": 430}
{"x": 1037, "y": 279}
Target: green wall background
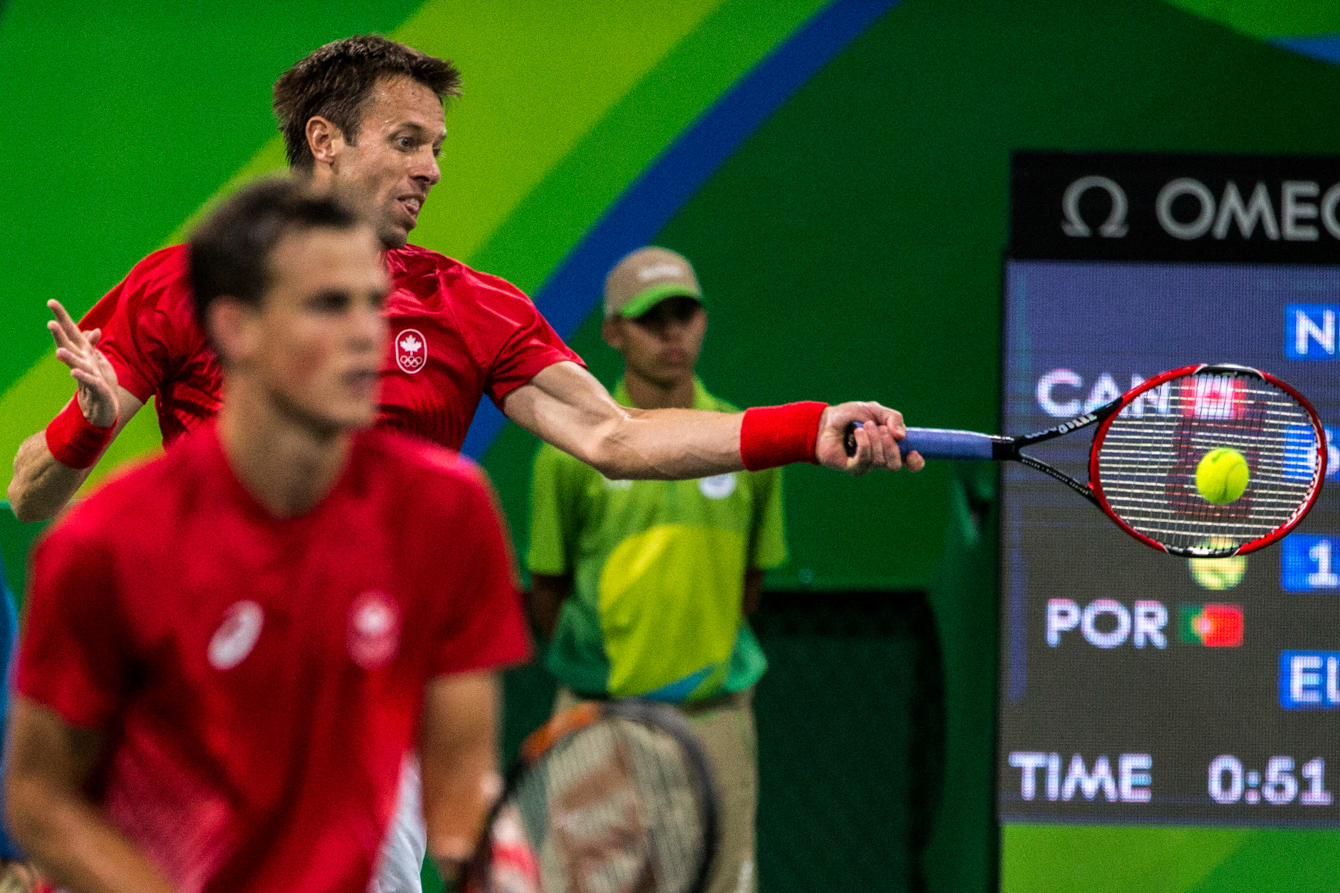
{"x": 850, "y": 248}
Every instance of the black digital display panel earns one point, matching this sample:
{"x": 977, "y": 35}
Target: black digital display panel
{"x": 1137, "y": 687}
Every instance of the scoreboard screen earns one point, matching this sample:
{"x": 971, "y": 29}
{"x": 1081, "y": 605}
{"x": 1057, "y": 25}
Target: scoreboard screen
{"x": 1136, "y": 687}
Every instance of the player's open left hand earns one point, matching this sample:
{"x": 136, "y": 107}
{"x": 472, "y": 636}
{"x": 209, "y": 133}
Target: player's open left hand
{"x": 89, "y": 367}
{"x": 877, "y": 434}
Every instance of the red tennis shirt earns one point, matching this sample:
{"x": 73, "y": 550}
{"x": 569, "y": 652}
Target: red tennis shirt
{"x": 259, "y": 680}
{"x": 456, "y": 335}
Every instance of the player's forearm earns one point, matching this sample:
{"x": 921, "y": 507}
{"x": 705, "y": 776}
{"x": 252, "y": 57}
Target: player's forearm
{"x": 664, "y": 444}
{"x": 44, "y": 481}
{"x": 461, "y": 802}
{"x": 74, "y": 846}
{"x": 565, "y": 406}
{"x": 41, "y": 485}
{"x": 458, "y": 756}
{"x": 49, "y": 766}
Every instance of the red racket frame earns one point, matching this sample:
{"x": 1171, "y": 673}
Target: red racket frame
{"x": 1319, "y": 476}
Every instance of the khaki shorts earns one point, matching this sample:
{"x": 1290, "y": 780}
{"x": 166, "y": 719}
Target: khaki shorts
{"x": 725, "y": 726}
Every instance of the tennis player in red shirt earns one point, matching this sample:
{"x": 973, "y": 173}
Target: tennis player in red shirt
{"x": 365, "y": 116}
{"x": 229, "y": 650}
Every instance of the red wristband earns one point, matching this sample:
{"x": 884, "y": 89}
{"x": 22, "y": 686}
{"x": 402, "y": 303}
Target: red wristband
{"x": 73, "y": 441}
{"x": 779, "y": 435}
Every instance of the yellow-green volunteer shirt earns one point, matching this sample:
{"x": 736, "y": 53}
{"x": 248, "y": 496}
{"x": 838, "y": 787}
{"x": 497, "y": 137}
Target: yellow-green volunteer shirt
{"x": 658, "y": 573}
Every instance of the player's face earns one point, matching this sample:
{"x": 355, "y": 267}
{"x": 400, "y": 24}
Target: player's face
{"x": 663, "y": 344}
{"x": 320, "y": 333}
{"x": 391, "y": 168}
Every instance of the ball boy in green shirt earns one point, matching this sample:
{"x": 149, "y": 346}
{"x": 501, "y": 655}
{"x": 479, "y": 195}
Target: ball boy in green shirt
{"x": 642, "y": 587}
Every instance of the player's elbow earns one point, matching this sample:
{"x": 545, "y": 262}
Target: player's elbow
{"x": 25, "y": 506}
{"x": 616, "y": 461}
{"x": 19, "y": 501}
{"x": 612, "y": 467}
{"x": 27, "y": 499}
{"x": 627, "y": 448}
{"x": 605, "y": 448}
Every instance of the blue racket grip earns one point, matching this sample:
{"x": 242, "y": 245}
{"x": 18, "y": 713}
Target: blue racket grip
{"x": 937, "y": 443}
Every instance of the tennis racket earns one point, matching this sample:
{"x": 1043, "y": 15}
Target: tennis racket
{"x": 607, "y": 797}
{"x": 1149, "y": 441}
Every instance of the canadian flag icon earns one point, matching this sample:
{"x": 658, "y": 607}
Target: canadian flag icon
{"x": 411, "y": 351}
{"x": 1215, "y": 397}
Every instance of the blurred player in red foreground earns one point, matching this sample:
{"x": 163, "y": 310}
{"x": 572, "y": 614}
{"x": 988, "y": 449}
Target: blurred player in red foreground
{"x": 229, "y": 650}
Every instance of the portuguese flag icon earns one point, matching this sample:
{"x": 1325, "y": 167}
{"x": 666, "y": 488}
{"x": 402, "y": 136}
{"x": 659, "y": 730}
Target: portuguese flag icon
{"x": 1211, "y": 625}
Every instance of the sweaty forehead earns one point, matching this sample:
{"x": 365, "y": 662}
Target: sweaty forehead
{"x": 400, "y": 101}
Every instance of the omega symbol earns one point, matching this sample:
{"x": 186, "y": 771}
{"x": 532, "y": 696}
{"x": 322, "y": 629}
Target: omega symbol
{"x": 1115, "y": 225}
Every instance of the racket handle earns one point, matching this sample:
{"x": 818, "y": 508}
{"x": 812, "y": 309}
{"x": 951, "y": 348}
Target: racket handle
{"x": 937, "y": 443}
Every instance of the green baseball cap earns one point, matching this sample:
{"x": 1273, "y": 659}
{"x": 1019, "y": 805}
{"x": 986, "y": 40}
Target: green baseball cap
{"x": 646, "y": 277}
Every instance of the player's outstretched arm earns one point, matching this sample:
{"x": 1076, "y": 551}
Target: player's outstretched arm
{"x": 52, "y": 464}
{"x": 566, "y": 406}
{"x": 50, "y": 763}
{"x": 458, "y": 754}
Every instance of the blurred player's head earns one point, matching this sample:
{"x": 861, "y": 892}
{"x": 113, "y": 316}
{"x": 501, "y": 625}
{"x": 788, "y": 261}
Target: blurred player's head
{"x": 364, "y": 115}
{"x": 654, "y": 315}
{"x": 289, "y": 285}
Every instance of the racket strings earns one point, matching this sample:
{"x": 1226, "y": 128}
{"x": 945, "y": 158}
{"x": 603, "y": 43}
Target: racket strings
{"x": 613, "y": 808}
{"x": 1146, "y": 465}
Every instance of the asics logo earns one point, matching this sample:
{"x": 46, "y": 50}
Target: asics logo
{"x": 236, "y": 635}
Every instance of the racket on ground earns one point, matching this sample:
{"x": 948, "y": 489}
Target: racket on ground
{"x": 1149, "y": 443}
{"x": 607, "y": 797}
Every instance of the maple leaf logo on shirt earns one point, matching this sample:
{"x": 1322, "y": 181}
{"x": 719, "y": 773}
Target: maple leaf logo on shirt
{"x": 411, "y": 351}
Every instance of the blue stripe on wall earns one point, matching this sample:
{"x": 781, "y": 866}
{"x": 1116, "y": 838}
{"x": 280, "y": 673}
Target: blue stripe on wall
{"x": 650, "y": 202}
{"x": 1325, "y": 47}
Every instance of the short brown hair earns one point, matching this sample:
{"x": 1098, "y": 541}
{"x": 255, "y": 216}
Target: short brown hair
{"x": 335, "y": 81}
{"x": 230, "y": 251}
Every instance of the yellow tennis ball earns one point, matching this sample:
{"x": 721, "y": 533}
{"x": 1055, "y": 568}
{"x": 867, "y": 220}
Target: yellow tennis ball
{"x": 1221, "y": 476}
